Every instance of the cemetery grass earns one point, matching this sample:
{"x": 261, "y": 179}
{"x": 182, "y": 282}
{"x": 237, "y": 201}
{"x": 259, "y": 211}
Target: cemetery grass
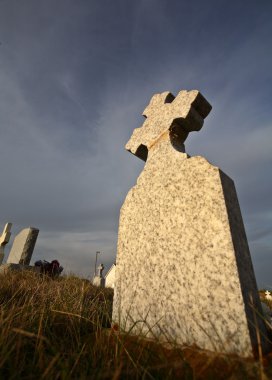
{"x": 61, "y": 329}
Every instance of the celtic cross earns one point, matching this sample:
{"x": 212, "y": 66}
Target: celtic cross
{"x": 166, "y": 113}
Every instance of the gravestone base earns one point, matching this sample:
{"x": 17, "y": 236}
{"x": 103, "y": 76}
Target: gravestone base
{"x": 184, "y": 272}
{"x": 99, "y": 281}
{"x": 5, "y": 268}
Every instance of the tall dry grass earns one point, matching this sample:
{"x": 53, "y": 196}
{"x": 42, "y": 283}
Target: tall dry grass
{"x": 60, "y": 329}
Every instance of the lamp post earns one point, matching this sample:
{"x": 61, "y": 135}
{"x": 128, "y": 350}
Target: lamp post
{"x": 97, "y": 253}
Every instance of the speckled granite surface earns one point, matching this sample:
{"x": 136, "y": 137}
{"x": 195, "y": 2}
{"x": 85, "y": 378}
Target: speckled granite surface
{"x": 183, "y": 263}
{"x": 181, "y": 114}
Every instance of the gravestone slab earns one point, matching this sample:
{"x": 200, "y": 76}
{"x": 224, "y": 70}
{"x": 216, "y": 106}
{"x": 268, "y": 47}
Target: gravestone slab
{"x": 23, "y": 246}
{"x": 4, "y": 239}
{"x": 98, "y": 279}
{"x": 183, "y": 262}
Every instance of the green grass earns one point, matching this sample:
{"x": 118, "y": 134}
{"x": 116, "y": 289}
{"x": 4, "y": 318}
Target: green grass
{"x": 61, "y": 329}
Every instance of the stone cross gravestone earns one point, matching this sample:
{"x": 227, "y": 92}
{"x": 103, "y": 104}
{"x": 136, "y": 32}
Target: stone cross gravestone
{"x": 23, "y": 246}
{"x": 4, "y": 239}
{"x": 181, "y": 231}
{"x": 98, "y": 279}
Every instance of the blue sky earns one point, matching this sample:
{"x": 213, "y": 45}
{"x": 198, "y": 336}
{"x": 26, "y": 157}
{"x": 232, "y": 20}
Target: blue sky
{"x": 75, "y": 76}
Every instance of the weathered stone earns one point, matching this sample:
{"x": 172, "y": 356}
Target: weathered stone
{"x": 23, "y": 246}
{"x": 4, "y": 239}
{"x": 183, "y": 264}
{"x": 180, "y": 115}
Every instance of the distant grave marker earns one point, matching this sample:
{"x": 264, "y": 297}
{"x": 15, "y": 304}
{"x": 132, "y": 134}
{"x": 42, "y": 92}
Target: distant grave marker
{"x": 98, "y": 279}
{"x": 23, "y": 246}
{"x": 4, "y": 239}
{"x": 181, "y": 230}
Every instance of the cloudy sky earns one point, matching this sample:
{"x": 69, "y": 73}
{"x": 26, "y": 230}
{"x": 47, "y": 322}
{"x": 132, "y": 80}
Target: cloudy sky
{"x": 75, "y": 76}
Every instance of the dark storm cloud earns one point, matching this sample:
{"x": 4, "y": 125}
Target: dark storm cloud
{"x": 75, "y": 77}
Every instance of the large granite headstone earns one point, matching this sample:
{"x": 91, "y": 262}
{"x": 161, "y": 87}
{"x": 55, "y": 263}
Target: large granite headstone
{"x": 23, "y": 246}
{"x": 183, "y": 268}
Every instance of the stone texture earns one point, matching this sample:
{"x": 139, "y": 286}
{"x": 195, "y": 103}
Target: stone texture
{"x": 110, "y": 277}
{"x": 180, "y": 115}
{"x": 23, "y": 246}
{"x": 4, "y": 239}
{"x": 183, "y": 263}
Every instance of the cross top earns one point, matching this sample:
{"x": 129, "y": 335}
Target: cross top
{"x": 179, "y": 115}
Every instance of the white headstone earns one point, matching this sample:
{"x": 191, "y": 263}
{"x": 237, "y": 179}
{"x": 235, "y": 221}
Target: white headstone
{"x": 4, "y": 239}
{"x": 98, "y": 279}
{"x": 181, "y": 230}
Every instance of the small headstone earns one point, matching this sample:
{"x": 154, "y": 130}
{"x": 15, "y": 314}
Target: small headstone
{"x": 98, "y": 279}
{"x": 181, "y": 230}
{"x": 23, "y": 246}
{"x": 4, "y": 239}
